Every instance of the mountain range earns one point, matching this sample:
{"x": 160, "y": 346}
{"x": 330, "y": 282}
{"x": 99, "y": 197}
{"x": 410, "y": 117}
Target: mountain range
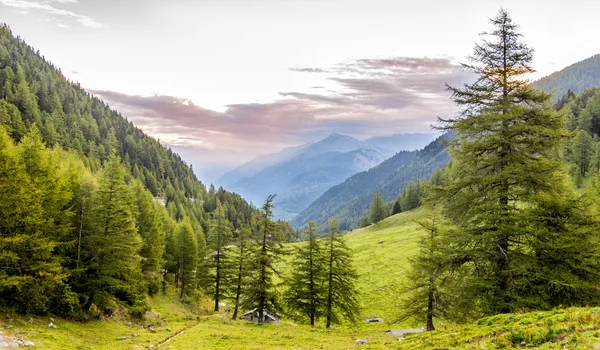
{"x": 299, "y": 175}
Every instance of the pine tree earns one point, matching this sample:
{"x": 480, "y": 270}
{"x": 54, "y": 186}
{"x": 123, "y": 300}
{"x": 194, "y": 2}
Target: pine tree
{"x": 426, "y": 298}
{"x": 260, "y": 292}
{"x": 187, "y": 248}
{"x": 396, "y": 209}
{"x": 149, "y": 226}
{"x": 377, "y": 212}
{"x": 581, "y": 151}
{"x": 504, "y": 156}
{"x": 219, "y": 237}
{"x": 306, "y": 294}
{"x": 342, "y": 296}
{"x": 242, "y": 273}
{"x": 112, "y": 243}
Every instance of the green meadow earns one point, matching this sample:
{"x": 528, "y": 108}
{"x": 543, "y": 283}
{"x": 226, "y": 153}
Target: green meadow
{"x": 380, "y": 255}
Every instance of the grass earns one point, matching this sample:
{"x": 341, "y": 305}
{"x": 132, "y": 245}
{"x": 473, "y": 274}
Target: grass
{"x": 381, "y": 255}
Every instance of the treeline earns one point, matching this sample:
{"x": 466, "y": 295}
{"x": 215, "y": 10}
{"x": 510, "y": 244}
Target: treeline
{"x": 576, "y": 78}
{"x": 509, "y": 229}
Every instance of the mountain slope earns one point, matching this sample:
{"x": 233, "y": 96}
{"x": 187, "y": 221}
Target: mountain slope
{"x": 576, "y": 77}
{"x": 351, "y": 199}
{"x": 305, "y": 177}
{"x": 34, "y": 92}
{"x": 390, "y": 145}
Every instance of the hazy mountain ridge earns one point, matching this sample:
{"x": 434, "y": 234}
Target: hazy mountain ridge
{"x": 576, "y": 77}
{"x": 299, "y": 175}
{"x": 350, "y": 200}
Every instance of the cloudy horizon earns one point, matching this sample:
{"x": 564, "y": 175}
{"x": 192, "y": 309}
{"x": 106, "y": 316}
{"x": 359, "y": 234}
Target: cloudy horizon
{"x": 223, "y": 81}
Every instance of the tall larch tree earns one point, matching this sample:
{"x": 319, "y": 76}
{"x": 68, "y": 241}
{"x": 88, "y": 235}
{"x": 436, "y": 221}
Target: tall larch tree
{"x": 260, "y": 292}
{"x": 219, "y": 237}
{"x": 341, "y": 294}
{"x": 306, "y": 294}
{"x": 241, "y": 258}
{"x": 187, "y": 248}
{"x": 377, "y": 211}
{"x": 505, "y": 156}
{"x": 112, "y": 243}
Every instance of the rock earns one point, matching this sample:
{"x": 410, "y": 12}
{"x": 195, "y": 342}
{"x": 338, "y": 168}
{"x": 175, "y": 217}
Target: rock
{"x": 51, "y": 325}
{"x": 361, "y": 342}
{"x": 51, "y": 319}
{"x": 168, "y": 329}
{"x": 30, "y": 320}
{"x": 28, "y": 344}
{"x": 135, "y": 335}
{"x": 523, "y": 344}
{"x": 7, "y": 326}
{"x": 150, "y": 315}
{"x": 20, "y": 342}
{"x": 128, "y": 323}
{"x": 122, "y": 338}
{"x": 151, "y": 329}
{"x": 380, "y": 242}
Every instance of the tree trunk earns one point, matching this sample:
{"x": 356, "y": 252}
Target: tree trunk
{"x": 238, "y": 290}
{"x": 182, "y": 279}
{"x": 217, "y": 280}
{"x": 329, "y": 288}
{"x": 430, "y": 306}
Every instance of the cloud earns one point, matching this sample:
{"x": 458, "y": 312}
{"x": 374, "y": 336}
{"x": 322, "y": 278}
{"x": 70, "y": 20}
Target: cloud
{"x": 48, "y": 8}
{"x": 367, "y": 97}
{"x": 308, "y": 70}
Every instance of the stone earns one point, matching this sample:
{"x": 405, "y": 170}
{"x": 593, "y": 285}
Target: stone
{"x": 51, "y": 325}
{"x": 523, "y": 344}
{"x": 122, "y": 338}
{"x": 151, "y": 329}
{"x": 135, "y": 335}
{"x": 30, "y": 320}
{"x": 361, "y": 342}
{"x": 168, "y": 329}
{"x": 128, "y": 323}
{"x": 380, "y": 242}
{"x": 28, "y": 344}
{"x": 51, "y": 319}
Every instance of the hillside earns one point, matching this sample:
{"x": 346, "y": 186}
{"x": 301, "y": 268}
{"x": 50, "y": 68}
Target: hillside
{"x": 351, "y": 199}
{"x": 380, "y": 255}
{"x": 576, "y": 77}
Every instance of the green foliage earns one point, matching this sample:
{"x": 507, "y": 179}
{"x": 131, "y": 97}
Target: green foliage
{"x": 111, "y": 244}
{"x": 260, "y": 292}
{"x": 306, "y": 295}
{"x": 505, "y": 167}
{"x": 187, "y": 249}
{"x": 342, "y": 296}
{"x": 575, "y": 78}
{"x": 424, "y": 294}
{"x": 377, "y": 211}
{"x": 219, "y": 264}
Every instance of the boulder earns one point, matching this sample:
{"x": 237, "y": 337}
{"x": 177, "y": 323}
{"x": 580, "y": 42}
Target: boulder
{"x": 28, "y": 344}
{"x": 361, "y": 342}
{"x": 51, "y": 325}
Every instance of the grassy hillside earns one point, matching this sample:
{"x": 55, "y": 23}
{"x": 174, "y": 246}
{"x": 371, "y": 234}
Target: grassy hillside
{"x": 380, "y": 256}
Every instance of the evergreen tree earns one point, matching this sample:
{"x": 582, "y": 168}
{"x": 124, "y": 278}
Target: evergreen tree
{"x": 306, "y": 294}
{"x": 377, "y": 212}
{"x": 581, "y": 151}
{"x": 341, "y": 294}
{"x": 504, "y": 157}
{"x": 396, "y": 209}
{"x": 112, "y": 243}
{"x": 149, "y": 226}
{"x": 426, "y": 298}
{"x": 242, "y": 257}
{"x": 187, "y": 247}
{"x": 260, "y": 292}
{"x": 219, "y": 237}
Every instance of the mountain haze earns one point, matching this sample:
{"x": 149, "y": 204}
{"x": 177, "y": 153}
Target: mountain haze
{"x": 351, "y": 199}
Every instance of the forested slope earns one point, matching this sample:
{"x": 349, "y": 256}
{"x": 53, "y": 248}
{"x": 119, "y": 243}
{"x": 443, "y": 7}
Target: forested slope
{"x": 576, "y": 77}
{"x": 81, "y": 231}
{"x": 350, "y": 200}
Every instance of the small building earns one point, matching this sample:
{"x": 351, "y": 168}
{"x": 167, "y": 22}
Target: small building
{"x": 268, "y": 317}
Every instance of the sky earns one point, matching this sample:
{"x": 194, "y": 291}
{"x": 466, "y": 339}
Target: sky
{"x": 221, "y": 81}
